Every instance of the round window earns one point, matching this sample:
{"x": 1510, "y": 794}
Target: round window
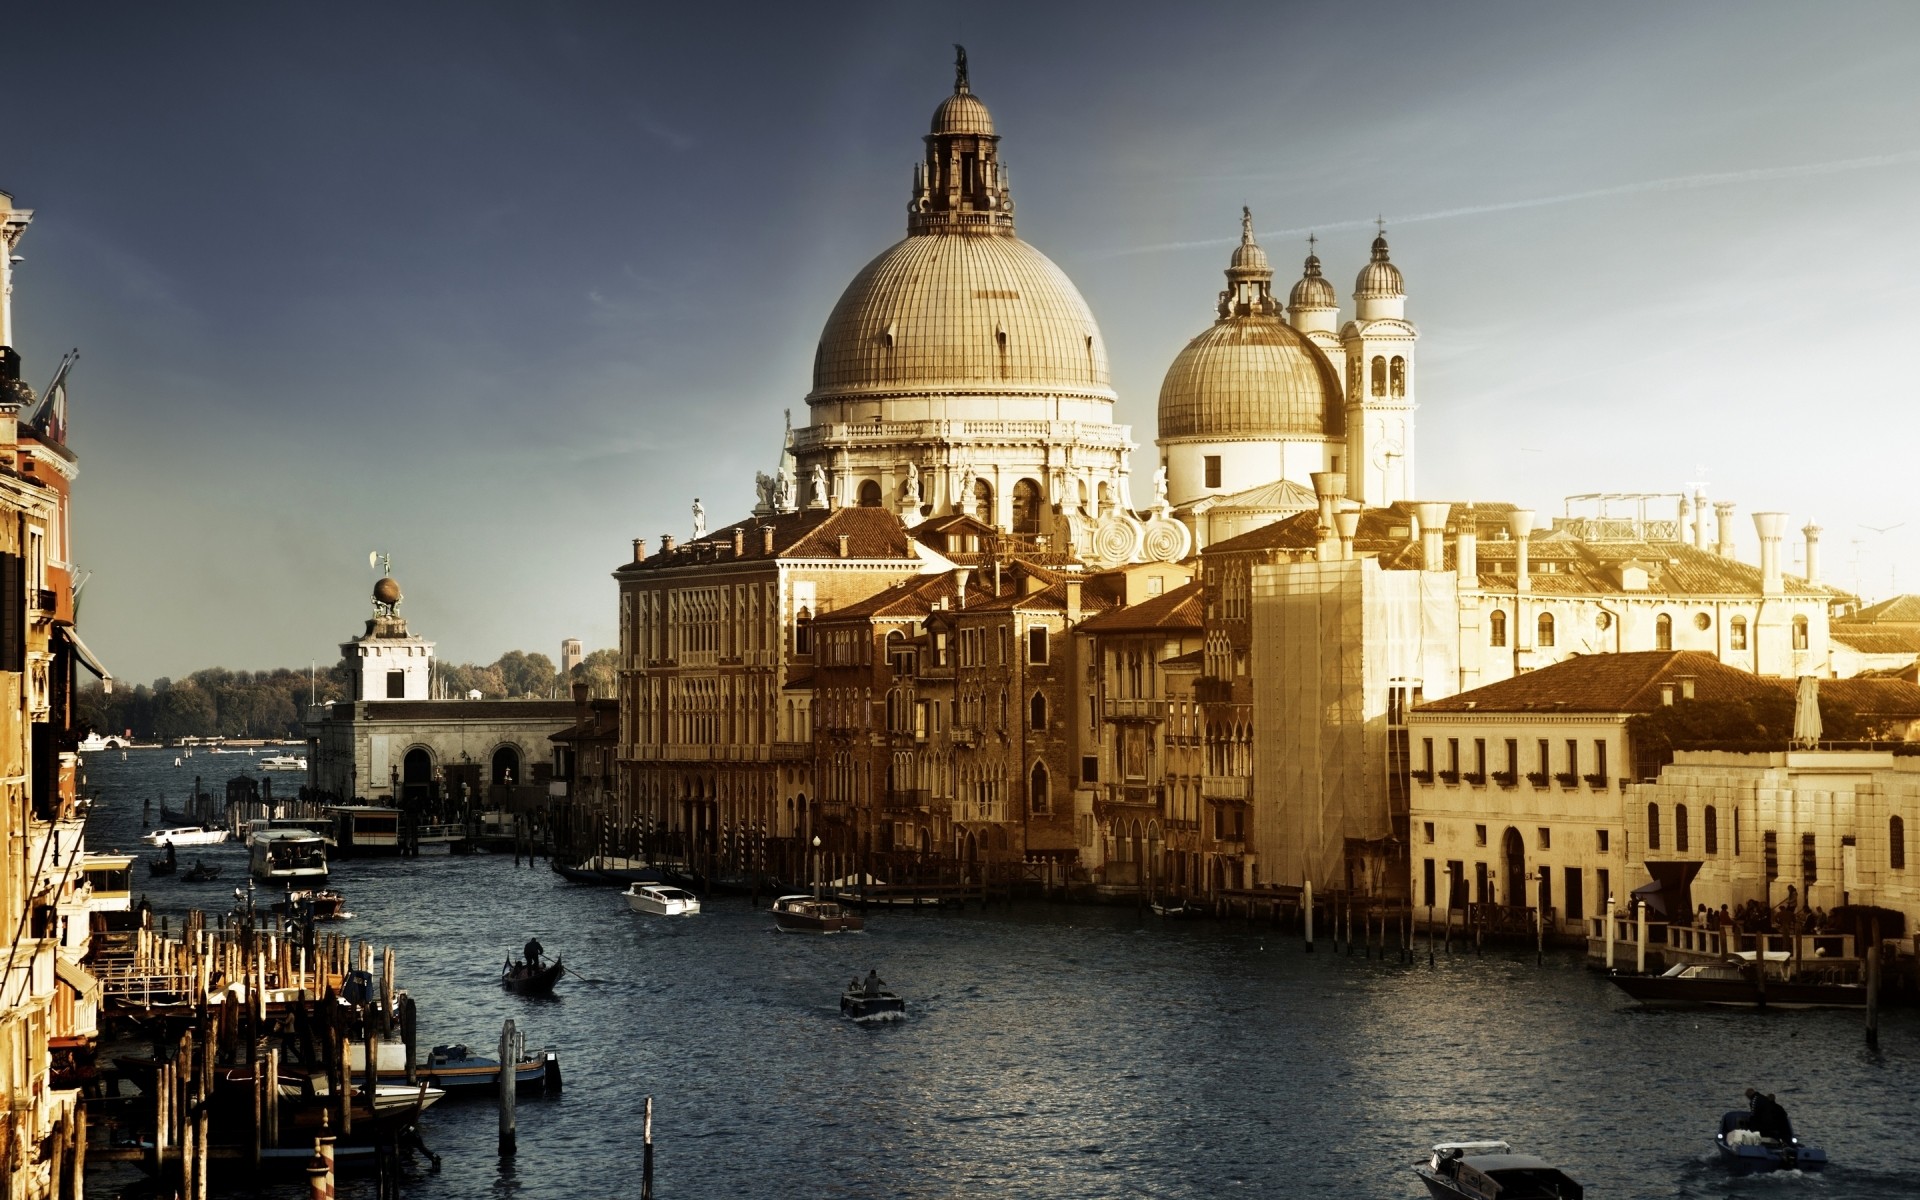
{"x": 1603, "y": 621}
{"x": 1701, "y": 620}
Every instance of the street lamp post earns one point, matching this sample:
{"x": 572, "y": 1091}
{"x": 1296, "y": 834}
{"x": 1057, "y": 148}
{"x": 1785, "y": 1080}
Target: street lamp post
{"x": 816, "y": 866}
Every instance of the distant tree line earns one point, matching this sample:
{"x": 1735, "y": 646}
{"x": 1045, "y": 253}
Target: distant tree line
{"x": 217, "y": 702}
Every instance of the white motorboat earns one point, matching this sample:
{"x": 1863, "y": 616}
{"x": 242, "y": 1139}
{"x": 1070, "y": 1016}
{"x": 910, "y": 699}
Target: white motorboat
{"x": 284, "y": 762}
{"x": 662, "y": 900}
{"x": 186, "y": 835}
{"x": 93, "y": 743}
{"x": 1484, "y": 1170}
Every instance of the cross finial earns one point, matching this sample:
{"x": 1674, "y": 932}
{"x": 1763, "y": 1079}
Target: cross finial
{"x": 1313, "y": 242}
{"x": 959, "y": 68}
{"x": 1381, "y": 222}
{"x": 1246, "y": 226}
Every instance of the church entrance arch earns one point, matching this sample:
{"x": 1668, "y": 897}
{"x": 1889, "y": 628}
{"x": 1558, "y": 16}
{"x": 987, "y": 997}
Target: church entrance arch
{"x": 416, "y": 776}
{"x": 506, "y": 765}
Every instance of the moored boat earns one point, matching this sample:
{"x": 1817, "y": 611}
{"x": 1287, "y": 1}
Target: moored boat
{"x": 185, "y": 835}
{"x": 1490, "y": 1170}
{"x": 662, "y": 900}
{"x": 1737, "y": 983}
{"x": 805, "y": 914}
{"x": 609, "y": 870}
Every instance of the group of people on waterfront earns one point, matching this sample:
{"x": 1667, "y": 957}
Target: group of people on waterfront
{"x": 1755, "y": 917}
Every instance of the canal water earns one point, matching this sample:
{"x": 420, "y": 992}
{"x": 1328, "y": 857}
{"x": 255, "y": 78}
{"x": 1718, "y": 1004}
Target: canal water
{"x": 1054, "y": 1051}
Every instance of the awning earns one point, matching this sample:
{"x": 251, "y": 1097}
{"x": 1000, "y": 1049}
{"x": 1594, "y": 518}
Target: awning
{"x": 78, "y": 978}
{"x": 85, "y": 656}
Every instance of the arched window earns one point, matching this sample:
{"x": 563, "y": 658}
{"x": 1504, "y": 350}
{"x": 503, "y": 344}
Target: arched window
{"x": 983, "y": 501}
{"x": 1497, "y": 628}
{"x": 1399, "y": 376}
{"x": 1026, "y": 507}
{"x": 1799, "y": 633}
{"x": 1037, "y": 711}
{"x": 1712, "y": 829}
{"x": 1737, "y": 633}
{"x": 1544, "y": 630}
{"x": 869, "y": 493}
{"x": 1653, "y": 826}
{"x": 1663, "y": 632}
{"x": 1680, "y": 828}
{"x": 1039, "y": 792}
{"x": 1896, "y": 843}
{"x": 1379, "y": 375}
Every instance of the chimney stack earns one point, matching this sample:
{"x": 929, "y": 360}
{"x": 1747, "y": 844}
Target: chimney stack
{"x": 1520, "y": 525}
{"x": 1700, "y": 519}
{"x": 1433, "y": 534}
{"x": 960, "y": 577}
{"x": 766, "y": 539}
{"x": 843, "y": 545}
{"x": 666, "y": 543}
{"x": 1813, "y": 532}
{"x": 739, "y": 542}
{"x": 1073, "y": 600}
{"x": 1723, "y": 513}
{"x": 1328, "y": 488}
{"x": 1348, "y": 524}
{"x": 1772, "y": 528}
{"x": 639, "y": 549}
{"x": 1466, "y": 552}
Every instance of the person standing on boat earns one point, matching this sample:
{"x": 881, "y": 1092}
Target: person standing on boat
{"x": 874, "y": 982}
{"x": 1768, "y": 1118}
{"x": 534, "y": 952}
{"x": 172, "y": 857}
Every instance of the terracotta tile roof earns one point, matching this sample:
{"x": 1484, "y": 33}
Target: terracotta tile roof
{"x": 872, "y": 533}
{"x": 1632, "y": 683}
{"x": 1182, "y": 609}
{"x": 1869, "y": 639}
{"x": 1196, "y": 660}
{"x": 1903, "y": 609}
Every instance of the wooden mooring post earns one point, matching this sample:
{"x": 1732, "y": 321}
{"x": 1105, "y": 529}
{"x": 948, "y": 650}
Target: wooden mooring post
{"x": 646, "y": 1154}
{"x": 509, "y": 1059}
{"x": 1873, "y": 987}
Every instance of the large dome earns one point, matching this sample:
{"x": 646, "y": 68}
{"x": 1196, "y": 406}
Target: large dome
{"x": 1250, "y": 377}
{"x": 961, "y": 314}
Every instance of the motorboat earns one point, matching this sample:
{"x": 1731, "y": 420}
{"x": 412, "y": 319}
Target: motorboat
{"x": 288, "y": 855}
{"x": 1492, "y": 1171}
{"x": 662, "y": 900}
{"x": 322, "y": 904}
{"x": 1749, "y": 1150}
{"x": 1736, "y": 982}
{"x": 531, "y": 978}
{"x": 455, "y": 1068}
{"x": 870, "y": 1000}
{"x": 201, "y": 872}
{"x": 1176, "y": 910}
{"x": 805, "y": 914}
{"x": 185, "y": 835}
{"x": 93, "y": 743}
{"x": 284, "y": 762}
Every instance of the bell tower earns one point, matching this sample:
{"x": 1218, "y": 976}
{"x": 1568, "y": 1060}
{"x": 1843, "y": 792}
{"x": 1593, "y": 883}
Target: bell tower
{"x": 1378, "y": 345}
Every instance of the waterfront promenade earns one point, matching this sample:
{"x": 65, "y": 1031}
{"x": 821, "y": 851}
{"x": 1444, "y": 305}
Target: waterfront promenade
{"x": 1057, "y": 1051}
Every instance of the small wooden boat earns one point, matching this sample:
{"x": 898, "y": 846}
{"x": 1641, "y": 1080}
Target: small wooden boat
{"x": 1176, "y": 910}
{"x": 457, "y": 1070}
{"x": 201, "y": 872}
{"x": 1486, "y": 1170}
{"x": 871, "y": 1001}
{"x": 1749, "y": 1151}
{"x": 662, "y": 900}
{"x": 531, "y": 978}
{"x": 162, "y": 865}
{"x": 804, "y": 914}
{"x": 1736, "y": 983}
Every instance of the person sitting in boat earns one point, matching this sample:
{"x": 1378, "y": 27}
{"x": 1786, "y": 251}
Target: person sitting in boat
{"x": 874, "y": 983}
{"x": 1766, "y": 1117}
{"x": 534, "y": 952}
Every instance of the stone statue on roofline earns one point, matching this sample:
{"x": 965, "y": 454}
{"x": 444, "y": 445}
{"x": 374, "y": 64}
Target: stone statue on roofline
{"x": 819, "y": 487}
{"x": 913, "y": 484}
{"x": 699, "y": 518}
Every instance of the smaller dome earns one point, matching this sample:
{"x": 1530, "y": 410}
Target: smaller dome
{"x": 1313, "y": 290}
{"x": 1379, "y": 277}
{"x": 1248, "y": 256}
{"x": 963, "y": 112}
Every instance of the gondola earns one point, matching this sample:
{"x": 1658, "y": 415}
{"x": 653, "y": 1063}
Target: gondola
{"x": 201, "y": 872}
{"x": 162, "y": 865}
{"x": 531, "y": 979}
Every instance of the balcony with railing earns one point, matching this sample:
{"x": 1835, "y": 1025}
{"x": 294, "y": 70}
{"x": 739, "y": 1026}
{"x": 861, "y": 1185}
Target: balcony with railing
{"x": 1134, "y": 709}
{"x": 1229, "y": 788}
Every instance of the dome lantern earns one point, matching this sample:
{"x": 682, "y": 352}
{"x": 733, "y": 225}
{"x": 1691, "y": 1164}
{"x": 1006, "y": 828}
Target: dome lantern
{"x": 1379, "y": 291}
{"x": 959, "y": 185}
{"x": 1312, "y": 306}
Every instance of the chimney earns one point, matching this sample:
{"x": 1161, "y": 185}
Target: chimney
{"x": 960, "y": 578}
{"x": 1772, "y": 528}
{"x": 1348, "y": 524}
{"x": 639, "y": 549}
{"x": 1700, "y": 519}
{"x": 1466, "y": 552}
{"x": 1073, "y": 600}
{"x": 1520, "y": 526}
{"x": 843, "y": 545}
{"x": 582, "y": 700}
{"x": 666, "y": 543}
{"x": 1328, "y": 488}
{"x": 1433, "y": 532}
{"x": 1812, "y": 532}
{"x": 766, "y": 539}
{"x": 1723, "y": 512}
{"x": 739, "y": 542}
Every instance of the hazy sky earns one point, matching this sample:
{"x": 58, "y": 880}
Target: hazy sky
{"x": 496, "y": 288}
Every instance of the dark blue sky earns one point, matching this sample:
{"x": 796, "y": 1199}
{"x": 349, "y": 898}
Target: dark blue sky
{"x": 497, "y": 288}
